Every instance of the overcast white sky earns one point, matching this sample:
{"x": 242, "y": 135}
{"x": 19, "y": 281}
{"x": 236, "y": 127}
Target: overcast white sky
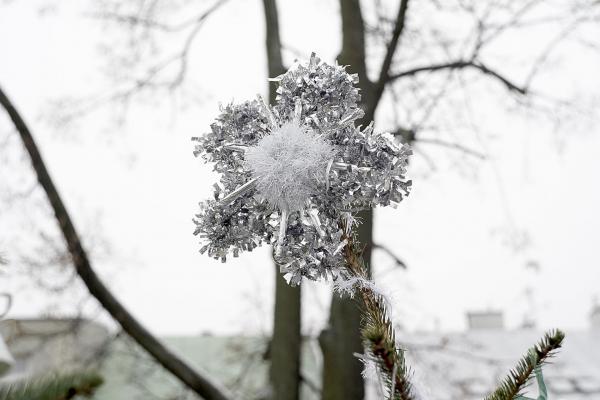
{"x": 137, "y": 185}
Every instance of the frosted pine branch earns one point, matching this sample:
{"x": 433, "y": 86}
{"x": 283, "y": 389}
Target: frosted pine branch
{"x": 377, "y": 330}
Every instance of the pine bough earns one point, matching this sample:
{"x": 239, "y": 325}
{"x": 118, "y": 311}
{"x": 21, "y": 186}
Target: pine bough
{"x": 55, "y": 386}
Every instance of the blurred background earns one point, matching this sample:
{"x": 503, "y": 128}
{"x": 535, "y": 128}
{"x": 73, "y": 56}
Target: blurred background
{"x": 497, "y": 242}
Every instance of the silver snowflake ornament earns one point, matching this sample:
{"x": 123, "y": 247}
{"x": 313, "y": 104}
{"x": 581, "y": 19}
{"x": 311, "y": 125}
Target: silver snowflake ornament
{"x": 292, "y": 174}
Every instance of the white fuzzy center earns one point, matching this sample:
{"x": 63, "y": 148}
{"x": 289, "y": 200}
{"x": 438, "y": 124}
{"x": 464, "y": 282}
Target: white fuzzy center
{"x": 288, "y": 164}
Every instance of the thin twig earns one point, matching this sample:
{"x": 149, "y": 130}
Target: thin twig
{"x": 461, "y": 64}
{"x": 452, "y": 145}
{"x": 390, "y": 253}
{"x": 383, "y": 79}
{"x": 151, "y": 23}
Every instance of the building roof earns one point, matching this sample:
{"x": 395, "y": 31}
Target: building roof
{"x": 446, "y": 366}
{"x": 38, "y": 345}
{"x": 468, "y": 365}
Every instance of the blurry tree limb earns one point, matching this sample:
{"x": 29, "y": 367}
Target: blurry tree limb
{"x": 165, "y": 74}
{"x": 286, "y": 342}
{"x": 170, "y": 361}
{"x": 399, "y": 262}
{"x": 310, "y": 384}
{"x": 451, "y": 145}
{"x": 461, "y": 64}
{"x": 382, "y": 80}
{"x": 340, "y": 340}
{"x": 148, "y": 22}
{"x": 8, "y": 304}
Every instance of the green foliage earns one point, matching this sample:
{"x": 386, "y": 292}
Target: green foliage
{"x": 512, "y": 386}
{"x": 55, "y": 386}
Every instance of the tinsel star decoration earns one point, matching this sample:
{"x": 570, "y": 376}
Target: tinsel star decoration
{"x": 292, "y": 174}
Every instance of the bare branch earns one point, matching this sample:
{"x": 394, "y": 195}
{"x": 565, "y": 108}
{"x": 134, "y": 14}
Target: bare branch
{"x": 516, "y": 18}
{"x": 183, "y": 56}
{"x": 153, "y": 24}
{"x": 157, "y": 76}
{"x": 131, "y": 19}
{"x": 134, "y": 328}
{"x": 551, "y": 46}
{"x": 390, "y": 253}
{"x": 387, "y": 60}
{"x": 451, "y": 145}
{"x": 8, "y": 304}
{"x": 461, "y": 64}
{"x": 522, "y": 90}
{"x": 391, "y": 48}
{"x": 310, "y": 384}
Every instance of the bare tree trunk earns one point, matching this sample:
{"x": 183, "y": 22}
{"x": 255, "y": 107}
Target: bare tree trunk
{"x": 170, "y": 361}
{"x": 342, "y": 379}
{"x": 286, "y": 342}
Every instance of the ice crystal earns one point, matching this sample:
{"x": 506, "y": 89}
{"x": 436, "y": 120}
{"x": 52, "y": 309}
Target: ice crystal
{"x": 292, "y": 172}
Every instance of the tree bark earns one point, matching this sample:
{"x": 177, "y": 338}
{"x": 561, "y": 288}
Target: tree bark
{"x": 342, "y": 370}
{"x": 286, "y": 343}
{"x": 170, "y": 361}
{"x": 342, "y": 378}
{"x": 379, "y": 86}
